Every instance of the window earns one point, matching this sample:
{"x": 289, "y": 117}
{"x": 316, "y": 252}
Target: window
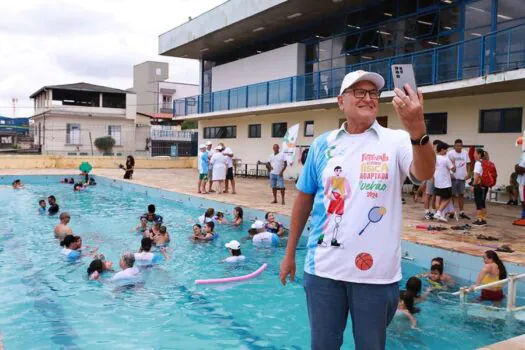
{"x": 220, "y": 132}
{"x": 114, "y": 100}
{"x": 309, "y": 128}
{"x": 73, "y": 134}
{"x": 383, "y": 121}
{"x": 115, "y": 131}
{"x": 279, "y": 129}
{"x": 500, "y": 120}
{"x": 254, "y": 131}
{"x": 436, "y": 123}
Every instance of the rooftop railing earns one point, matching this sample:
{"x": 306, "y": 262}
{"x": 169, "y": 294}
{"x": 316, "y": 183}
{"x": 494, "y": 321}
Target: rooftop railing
{"x": 492, "y": 53}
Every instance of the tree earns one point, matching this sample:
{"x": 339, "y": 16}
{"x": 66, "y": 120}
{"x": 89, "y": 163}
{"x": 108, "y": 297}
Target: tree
{"x": 189, "y": 124}
{"x": 105, "y": 144}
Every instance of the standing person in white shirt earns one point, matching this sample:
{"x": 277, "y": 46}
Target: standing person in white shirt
{"x": 228, "y": 153}
{"x": 461, "y": 160}
{"x": 520, "y": 170}
{"x": 218, "y": 163}
{"x": 276, "y": 166}
{"x": 211, "y": 152}
{"x": 443, "y": 180}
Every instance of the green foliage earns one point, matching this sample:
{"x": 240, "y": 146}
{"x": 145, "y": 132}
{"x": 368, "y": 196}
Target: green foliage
{"x": 105, "y": 144}
{"x": 189, "y": 124}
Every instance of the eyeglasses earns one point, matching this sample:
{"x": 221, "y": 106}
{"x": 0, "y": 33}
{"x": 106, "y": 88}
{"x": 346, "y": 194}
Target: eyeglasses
{"x": 361, "y": 93}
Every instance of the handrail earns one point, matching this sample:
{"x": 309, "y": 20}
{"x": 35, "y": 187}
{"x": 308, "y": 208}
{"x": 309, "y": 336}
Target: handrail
{"x": 452, "y": 62}
{"x": 491, "y": 284}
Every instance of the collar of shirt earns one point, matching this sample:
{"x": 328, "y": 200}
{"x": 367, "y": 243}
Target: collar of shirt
{"x": 374, "y": 127}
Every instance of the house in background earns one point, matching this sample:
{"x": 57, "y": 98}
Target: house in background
{"x": 14, "y": 133}
{"x": 155, "y": 95}
{"x": 68, "y": 118}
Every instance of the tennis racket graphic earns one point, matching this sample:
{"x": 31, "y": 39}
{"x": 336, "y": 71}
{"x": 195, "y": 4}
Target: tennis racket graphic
{"x": 374, "y": 215}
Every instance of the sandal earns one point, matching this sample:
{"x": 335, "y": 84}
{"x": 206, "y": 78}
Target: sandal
{"x": 505, "y": 249}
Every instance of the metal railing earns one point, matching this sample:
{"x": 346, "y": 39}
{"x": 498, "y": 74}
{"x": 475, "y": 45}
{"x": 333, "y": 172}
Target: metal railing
{"x": 492, "y": 53}
{"x": 511, "y": 291}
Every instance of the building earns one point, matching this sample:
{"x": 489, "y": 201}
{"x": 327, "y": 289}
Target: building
{"x": 69, "y": 118}
{"x": 266, "y": 65}
{"x": 14, "y": 133}
{"x": 155, "y": 95}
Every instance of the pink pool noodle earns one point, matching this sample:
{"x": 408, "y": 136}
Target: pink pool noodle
{"x": 234, "y": 279}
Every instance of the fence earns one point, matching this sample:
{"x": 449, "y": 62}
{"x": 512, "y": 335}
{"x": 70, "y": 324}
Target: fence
{"x": 78, "y": 139}
{"x": 492, "y": 53}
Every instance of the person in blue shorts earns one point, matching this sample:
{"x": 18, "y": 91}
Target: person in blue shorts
{"x": 276, "y": 166}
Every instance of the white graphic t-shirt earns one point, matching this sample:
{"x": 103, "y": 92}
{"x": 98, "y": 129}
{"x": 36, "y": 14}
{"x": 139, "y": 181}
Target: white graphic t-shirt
{"x": 229, "y": 160}
{"x": 461, "y": 160}
{"x": 521, "y": 178}
{"x": 356, "y": 220}
{"x": 442, "y": 177}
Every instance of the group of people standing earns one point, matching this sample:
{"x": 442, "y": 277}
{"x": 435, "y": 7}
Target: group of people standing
{"x": 215, "y": 167}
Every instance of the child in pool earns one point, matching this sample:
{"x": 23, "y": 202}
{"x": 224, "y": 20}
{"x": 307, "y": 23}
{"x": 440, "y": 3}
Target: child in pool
{"x": 414, "y": 285}
{"x": 406, "y": 307}
{"x": 197, "y": 232}
{"x": 98, "y": 265}
{"x": 73, "y": 248}
{"x": 162, "y": 238}
{"x": 209, "y": 234}
{"x": 237, "y": 216}
{"x": 219, "y": 218}
{"x": 143, "y": 227}
{"x": 207, "y": 216}
{"x": 79, "y": 187}
{"x": 17, "y": 184}
{"x": 42, "y": 206}
{"x": 435, "y": 278}
{"x": 445, "y": 278}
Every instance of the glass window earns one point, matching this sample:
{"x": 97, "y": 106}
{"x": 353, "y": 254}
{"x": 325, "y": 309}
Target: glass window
{"x": 426, "y": 25}
{"x": 436, "y": 123}
{"x": 427, "y": 3}
{"x": 510, "y": 9}
{"x": 220, "y": 132}
{"x": 449, "y": 19}
{"x": 338, "y": 46}
{"x": 309, "y": 128}
{"x": 279, "y": 129}
{"x": 477, "y": 16}
{"x": 407, "y": 7}
{"x": 351, "y": 41}
{"x": 383, "y": 121}
{"x": 325, "y": 50}
{"x": 500, "y": 120}
{"x": 254, "y": 131}
{"x": 311, "y": 52}
{"x": 73, "y": 134}
{"x": 115, "y": 131}
{"x": 368, "y": 39}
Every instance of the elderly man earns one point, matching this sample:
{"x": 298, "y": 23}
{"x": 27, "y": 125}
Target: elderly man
{"x": 129, "y": 274}
{"x": 353, "y": 263}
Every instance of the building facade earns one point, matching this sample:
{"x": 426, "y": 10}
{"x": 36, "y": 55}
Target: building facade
{"x": 266, "y": 65}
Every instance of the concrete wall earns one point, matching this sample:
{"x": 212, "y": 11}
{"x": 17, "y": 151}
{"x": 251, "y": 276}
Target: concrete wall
{"x": 54, "y": 133}
{"x": 63, "y": 162}
{"x": 280, "y": 63}
{"x": 463, "y": 120}
{"x": 145, "y": 80}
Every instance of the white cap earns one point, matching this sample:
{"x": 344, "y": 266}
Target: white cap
{"x": 208, "y": 143}
{"x": 202, "y": 145}
{"x": 235, "y": 245}
{"x": 219, "y": 147}
{"x": 258, "y": 224}
{"x": 361, "y": 75}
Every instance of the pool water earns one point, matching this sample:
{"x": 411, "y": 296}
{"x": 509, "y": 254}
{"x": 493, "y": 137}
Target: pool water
{"x": 48, "y": 303}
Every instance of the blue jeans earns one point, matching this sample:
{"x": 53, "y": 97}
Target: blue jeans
{"x": 371, "y": 306}
{"x": 276, "y": 181}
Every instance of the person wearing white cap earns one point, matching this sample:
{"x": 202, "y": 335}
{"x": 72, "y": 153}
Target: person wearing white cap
{"x": 202, "y": 161}
{"x": 235, "y": 252}
{"x": 211, "y": 152}
{"x": 261, "y": 237}
{"x": 218, "y": 162}
{"x": 353, "y": 262}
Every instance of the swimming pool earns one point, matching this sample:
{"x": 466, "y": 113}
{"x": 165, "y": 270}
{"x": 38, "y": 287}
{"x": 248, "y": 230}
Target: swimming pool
{"x": 47, "y": 303}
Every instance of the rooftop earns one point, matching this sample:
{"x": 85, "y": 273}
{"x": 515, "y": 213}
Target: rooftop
{"x": 81, "y": 87}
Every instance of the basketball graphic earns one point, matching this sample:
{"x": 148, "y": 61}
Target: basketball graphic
{"x": 364, "y": 261}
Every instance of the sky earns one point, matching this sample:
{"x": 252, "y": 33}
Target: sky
{"x": 96, "y": 41}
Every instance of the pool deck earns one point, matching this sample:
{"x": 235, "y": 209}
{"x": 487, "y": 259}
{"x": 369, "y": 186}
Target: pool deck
{"x": 255, "y": 193}
{"x": 517, "y": 343}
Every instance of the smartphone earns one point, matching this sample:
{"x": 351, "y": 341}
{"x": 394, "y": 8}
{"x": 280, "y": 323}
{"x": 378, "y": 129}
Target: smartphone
{"x": 404, "y": 74}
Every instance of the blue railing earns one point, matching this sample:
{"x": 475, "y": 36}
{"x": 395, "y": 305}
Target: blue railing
{"x": 492, "y": 53}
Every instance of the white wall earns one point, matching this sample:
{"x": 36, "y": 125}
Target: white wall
{"x": 462, "y": 122}
{"x": 181, "y": 90}
{"x": 283, "y": 62}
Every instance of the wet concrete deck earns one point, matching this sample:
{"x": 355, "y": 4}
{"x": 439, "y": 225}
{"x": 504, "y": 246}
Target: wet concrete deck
{"x": 255, "y": 193}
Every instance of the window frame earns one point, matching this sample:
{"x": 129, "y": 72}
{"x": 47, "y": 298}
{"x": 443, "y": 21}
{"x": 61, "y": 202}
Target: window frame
{"x": 69, "y": 127}
{"x": 501, "y": 111}
{"x": 258, "y": 131}
{"x": 274, "y": 125}
{"x": 306, "y": 123}
{"x": 211, "y": 132}
{"x": 119, "y": 141}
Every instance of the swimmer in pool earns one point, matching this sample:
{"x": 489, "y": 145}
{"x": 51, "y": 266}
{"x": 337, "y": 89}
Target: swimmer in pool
{"x": 145, "y": 257}
{"x": 17, "y": 184}
{"x": 209, "y": 234}
{"x": 414, "y": 285}
{"x": 272, "y": 225}
{"x": 53, "y": 206}
{"x": 64, "y": 180}
{"x": 62, "y": 230}
{"x": 435, "y": 278}
{"x": 237, "y": 216}
{"x": 207, "y": 217}
{"x": 73, "y": 248}
{"x": 197, "y": 231}
{"x": 155, "y": 230}
{"x": 219, "y": 218}
{"x": 97, "y": 266}
{"x": 162, "y": 238}
{"x": 129, "y": 274}
{"x": 143, "y": 227}
{"x": 234, "y": 247}
{"x": 79, "y": 187}
{"x": 92, "y": 182}
{"x": 71, "y": 181}
{"x": 406, "y": 307}
{"x": 42, "y": 207}
{"x": 446, "y": 278}
{"x": 150, "y": 215}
